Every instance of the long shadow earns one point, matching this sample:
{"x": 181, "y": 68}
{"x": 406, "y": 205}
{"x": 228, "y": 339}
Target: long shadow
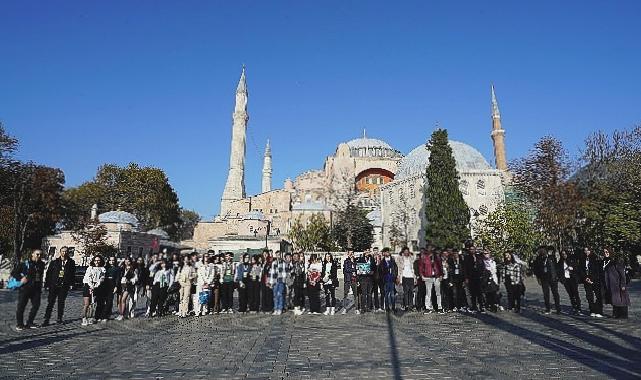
{"x": 594, "y": 340}
{"x": 396, "y": 367}
{"x": 30, "y": 336}
{"x": 606, "y": 364}
{"x": 32, "y": 344}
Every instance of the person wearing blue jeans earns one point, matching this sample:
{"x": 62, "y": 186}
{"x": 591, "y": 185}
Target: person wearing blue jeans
{"x": 278, "y": 274}
{"x": 388, "y": 273}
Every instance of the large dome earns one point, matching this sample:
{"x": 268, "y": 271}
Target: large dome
{"x": 467, "y": 159}
{"x": 121, "y": 217}
{"x": 368, "y": 147}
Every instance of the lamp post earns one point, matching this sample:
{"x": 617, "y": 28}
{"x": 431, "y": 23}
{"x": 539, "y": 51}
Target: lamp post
{"x": 267, "y": 232}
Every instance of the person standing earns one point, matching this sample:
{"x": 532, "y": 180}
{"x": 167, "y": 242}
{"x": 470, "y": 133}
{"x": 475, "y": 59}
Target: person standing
{"x": 163, "y": 278}
{"x": 615, "y": 285}
{"x": 389, "y": 277}
{"x": 490, "y": 282}
{"x": 419, "y": 299}
{"x": 278, "y": 275}
{"x": 255, "y": 275}
{"x": 513, "y": 279}
{"x": 61, "y": 275}
{"x": 365, "y": 267}
{"x": 545, "y": 272}
{"x": 30, "y": 273}
{"x": 350, "y": 281}
{"x": 474, "y": 267}
{"x": 457, "y": 279}
{"x": 590, "y": 273}
{"x": 446, "y": 284}
{"x": 242, "y": 281}
{"x": 112, "y": 286}
{"x": 408, "y": 279}
{"x": 329, "y": 276}
{"x": 227, "y": 276}
{"x": 431, "y": 270}
{"x": 314, "y": 284}
{"x": 128, "y": 281}
{"x": 93, "y": 279}
{"x": 185, "y": 276}
{"x": 298, "y": 278}
{"x": 267, "y": 294}
{"x": 206, "y": 278}
{"x": 567, "y": 271}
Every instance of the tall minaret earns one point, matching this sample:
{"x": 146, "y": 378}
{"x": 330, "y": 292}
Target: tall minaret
{"x": 267, "y": 169}
{"x": 498, "y": 135}
{"x": 235, "y": 186}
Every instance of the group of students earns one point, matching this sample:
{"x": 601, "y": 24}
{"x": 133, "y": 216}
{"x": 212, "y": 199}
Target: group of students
{"x": 433, "y": 281}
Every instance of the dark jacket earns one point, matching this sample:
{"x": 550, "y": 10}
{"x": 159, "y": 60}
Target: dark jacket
{"x": 33, "y": 270}
{"x": 360, "y": 264}
{"x": 112, "y": 276}
{"x": 349, "y": 270}
{"x": 454, "y": 267}
{"x": 545, "y": 268}
{"x": 55, "y": 271}
{"x": 333, "y": 273}
{"x": 589, "y": 268}
{"x": 613, "y": 280}
{"x": 473, "y": 266}
{"x": 572, "y": 263}
{"x": 388, "y": 271}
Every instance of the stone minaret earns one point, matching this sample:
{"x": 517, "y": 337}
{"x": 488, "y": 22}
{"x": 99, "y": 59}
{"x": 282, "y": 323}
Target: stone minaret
{"x": 235, "y": 186}
{"x": 498, "y": 135}
{"x": 267, "y": 169}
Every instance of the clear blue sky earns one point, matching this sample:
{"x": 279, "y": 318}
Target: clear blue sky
{"x": 90, "y": 82}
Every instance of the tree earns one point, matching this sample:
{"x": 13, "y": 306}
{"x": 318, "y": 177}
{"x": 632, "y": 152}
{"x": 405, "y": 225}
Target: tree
{"x": 316, "y": 236}
{"x": 92, "y": 237}
{"x": 509, "y": 229}
{"x": 189, "y": 219}
{"x": 610, "y": 183}
{"x": 143, "y": 191}
{"x": 543, "y": 179}
{"x": 8, "y": 146}
{"x": 401, "y": 218}
{"x": 353, "y": 229}
{"x": 446, "y": 212}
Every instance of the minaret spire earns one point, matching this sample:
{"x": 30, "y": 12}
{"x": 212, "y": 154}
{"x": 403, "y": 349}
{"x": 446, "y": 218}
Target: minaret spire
{"x": 498, "y": 135}
{"x": 235, "y": 186}
{"x": 267, "y": 169}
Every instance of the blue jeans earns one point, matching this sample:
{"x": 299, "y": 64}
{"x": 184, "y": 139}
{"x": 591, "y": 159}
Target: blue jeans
{"x": 279, "y": 295}
{"x": 390, "y": 297}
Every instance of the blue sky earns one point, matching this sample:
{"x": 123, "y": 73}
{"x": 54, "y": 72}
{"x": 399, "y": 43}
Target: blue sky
{"x": 85, "y": 83}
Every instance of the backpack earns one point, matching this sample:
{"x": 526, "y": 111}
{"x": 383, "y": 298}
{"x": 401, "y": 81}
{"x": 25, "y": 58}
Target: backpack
{"x": 13, "y": 282}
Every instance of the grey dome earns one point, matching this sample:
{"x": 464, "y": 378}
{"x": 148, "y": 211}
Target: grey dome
{"x": 368, "y": 147}
{"x": 160, "y": 233}
{"x": 467, "y": 159}
{"x": 121, "y": 217}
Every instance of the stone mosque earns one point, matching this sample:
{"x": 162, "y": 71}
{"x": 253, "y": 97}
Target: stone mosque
{"x": 366, "y": 170}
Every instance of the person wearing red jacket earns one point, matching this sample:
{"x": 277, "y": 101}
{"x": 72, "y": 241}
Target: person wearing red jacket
{"x": 431, "y": 270}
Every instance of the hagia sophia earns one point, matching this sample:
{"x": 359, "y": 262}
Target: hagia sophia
{"x": 382, "y": 179}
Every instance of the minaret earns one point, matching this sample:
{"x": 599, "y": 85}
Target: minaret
{"x": 235, "y": 186}
{"x": 267, "y": 169}
{"x": 498, "y": 135}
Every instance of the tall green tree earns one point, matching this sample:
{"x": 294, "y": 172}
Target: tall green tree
{"x": 447, "y": 214}
{"x": 353, "y": 229}
{"x": 189, "y": 219}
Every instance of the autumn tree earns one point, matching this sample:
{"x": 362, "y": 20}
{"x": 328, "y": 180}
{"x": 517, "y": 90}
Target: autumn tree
{"x": 543, "y": 178}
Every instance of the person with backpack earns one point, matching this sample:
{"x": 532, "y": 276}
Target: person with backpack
{"x": 30, "y": 274}
{"x": 61, "y": 275}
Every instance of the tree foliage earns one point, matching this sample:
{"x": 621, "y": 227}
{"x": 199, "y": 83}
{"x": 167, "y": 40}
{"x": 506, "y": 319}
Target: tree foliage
{"x": 188, "y": 221}
{"x": 92, "y": 237}
{"x": 143, "y": 191}
{"x": 509, "y": 229}
{"x": 353, "y": 229}
{"x": 543, "y": 178}
{"x": 447, "y": 214}
{"x": 314, "y": 237}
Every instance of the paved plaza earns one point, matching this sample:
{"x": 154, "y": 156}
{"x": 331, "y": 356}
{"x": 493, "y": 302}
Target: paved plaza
{"x": 407, "y": 346}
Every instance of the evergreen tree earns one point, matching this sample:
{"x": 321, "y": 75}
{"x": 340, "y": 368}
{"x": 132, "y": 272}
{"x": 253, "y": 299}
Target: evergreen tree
{"x": 447, "y": 215}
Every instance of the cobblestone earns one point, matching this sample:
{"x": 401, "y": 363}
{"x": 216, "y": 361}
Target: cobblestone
{"x": 373, "y": 346}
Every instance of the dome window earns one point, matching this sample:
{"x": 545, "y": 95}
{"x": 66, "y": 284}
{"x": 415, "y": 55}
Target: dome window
{"x": 483, "y": 210}
{"x": 480, "y": 186}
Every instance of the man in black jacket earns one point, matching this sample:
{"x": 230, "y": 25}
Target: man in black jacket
{"x": 365, "y": 268}
{"x": 30, "y": 273}
{"x": 567, "y": 270}
{"x": 111, "y": 285}
{"x": 546, "y": 275}
{"x": 61, "y": 275}
{"x": 589, "y": 268}
{"x": 473, "y": 269}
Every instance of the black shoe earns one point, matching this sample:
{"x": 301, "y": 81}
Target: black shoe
{"x": 45, "y": 323}
{"x": 59, "y": 322}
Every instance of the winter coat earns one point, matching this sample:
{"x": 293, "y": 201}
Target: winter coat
{"x": 32, "y": 270}
{"x": 388, "y": 271}
{"x": 349, "y": 271}
{"x": 94, "y": 277}
{"x": 430, "y": 266}
{"x": 589, "y": 268}
{"x": 55, "y": 271}
{"x": 570, "y": 262}
{"x": 545, "y": 268}
{"x": 330, "y": 278}
{"x": 613, "y": 280}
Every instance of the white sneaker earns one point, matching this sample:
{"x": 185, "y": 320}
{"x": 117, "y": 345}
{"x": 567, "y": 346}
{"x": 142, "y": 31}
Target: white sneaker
{"x": 358, "y": 312}
{"x": 84, "y": 322}
{"x": 598, "y": 315}
{"x": 344, "y": 312}
{"x": 333, "y": 311}
{"x": 326, "y": 311}
{"x": 120, "y": 318}
{"x": 592, "y": 315}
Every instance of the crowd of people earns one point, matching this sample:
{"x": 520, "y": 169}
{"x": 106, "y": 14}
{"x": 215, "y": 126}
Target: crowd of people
{"x": 434, "y": 281}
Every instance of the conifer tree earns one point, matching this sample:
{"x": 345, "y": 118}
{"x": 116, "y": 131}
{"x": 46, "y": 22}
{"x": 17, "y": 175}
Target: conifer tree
{"x": 447, "y": 214}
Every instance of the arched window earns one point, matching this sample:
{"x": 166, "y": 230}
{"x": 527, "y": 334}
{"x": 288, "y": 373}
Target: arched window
{"x": 483, "y": 209}
{"x": 480, "y": 187}
{"x": 463, "y": 187}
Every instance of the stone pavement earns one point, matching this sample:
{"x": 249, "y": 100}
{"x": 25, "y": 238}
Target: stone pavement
{"x": 402, "y": 346}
